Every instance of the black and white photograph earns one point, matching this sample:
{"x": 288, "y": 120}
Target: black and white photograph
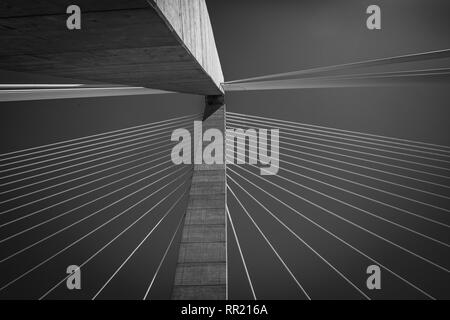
{"x": 223, "y": 156}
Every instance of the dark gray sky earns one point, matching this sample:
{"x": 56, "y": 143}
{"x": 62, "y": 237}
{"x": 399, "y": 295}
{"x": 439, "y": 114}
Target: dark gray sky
{"x": 259, "y": 37}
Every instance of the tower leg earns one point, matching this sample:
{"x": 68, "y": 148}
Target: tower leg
{"x": 201, "y": 267}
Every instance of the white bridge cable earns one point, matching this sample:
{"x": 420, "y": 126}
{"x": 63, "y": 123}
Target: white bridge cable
{"x": 422, "y": 56}
{"x": 350, "y": 181}
{"x": 252, "y": 122}
{"x": 441, "y": 75}
{"x": 92, "y": 231}
{"x": 301, "y": 239}
{"x": 84, "y": 176}
{"x": 241, "y": 253}
{"x": 75, "y": 93}
{"x": 80, "y": 220}
{"x": 106, "y": 144}
{"x": 144, "y": 240}
{"x": 348, "y": 221}
{"x": 146, "y": 144}
{"x": 80, "y": 195}
{"x": 74, "y": 142}
{"x": 351, "y": 76}
{"x": 80, "y": 164}
{"x": 362, "y": 167}
{"x": 334, "y": 135}
{"x": 366, "y": 198}
{"x": 85, "y": 184}
{"x": 270, "y": 244}
{"x": 348, "y": 133}
{"x": 118, "y": 236}
{"x": 333, "y": 235}
{"x": 167, "y": 131}
{"x": 180, "y": 223}
{"x": 368, "y": 160}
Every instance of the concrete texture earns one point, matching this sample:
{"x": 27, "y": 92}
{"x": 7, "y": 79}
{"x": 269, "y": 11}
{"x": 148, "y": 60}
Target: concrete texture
{"x": 164, "y": 45}
{"x": 201, "y": 268}
{"x": 42, "y": 94}
{"x": 190, "y": 20}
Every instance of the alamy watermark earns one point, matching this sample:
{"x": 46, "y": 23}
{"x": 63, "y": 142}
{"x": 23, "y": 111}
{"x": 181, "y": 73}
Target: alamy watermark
{"x": 240, "y": 145}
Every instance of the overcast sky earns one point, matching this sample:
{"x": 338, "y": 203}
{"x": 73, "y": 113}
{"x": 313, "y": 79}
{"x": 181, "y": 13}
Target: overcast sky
{"x": 258, "y": 37}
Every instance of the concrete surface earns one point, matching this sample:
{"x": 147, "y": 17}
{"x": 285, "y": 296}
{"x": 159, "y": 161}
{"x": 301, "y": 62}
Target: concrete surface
{"x": 120, "y": 42}
{"x": 201, "y": 269}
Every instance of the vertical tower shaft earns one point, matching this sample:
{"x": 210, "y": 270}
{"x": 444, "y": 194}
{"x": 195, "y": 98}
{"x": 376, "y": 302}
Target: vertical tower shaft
{"x": 201, "y": 268}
